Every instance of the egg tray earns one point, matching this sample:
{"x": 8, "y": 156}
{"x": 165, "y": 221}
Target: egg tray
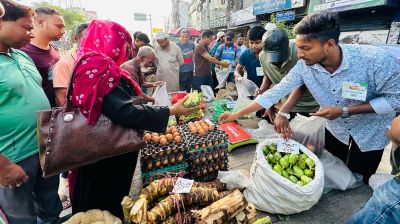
{"x": 150, "y": 163}
{"x": 205, "y": 157}
{"x": 148, "y": 177}
{"x": 154, "y": 152}
{"x": 207, "y": 172}
{"x": 197, "y": 142}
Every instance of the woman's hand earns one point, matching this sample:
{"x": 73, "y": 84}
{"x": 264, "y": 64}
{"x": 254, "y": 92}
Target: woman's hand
{"x": 180, "y": 109}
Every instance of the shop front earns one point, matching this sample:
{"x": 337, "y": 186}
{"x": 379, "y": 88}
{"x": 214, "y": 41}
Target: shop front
{"x": 364, "y": 21}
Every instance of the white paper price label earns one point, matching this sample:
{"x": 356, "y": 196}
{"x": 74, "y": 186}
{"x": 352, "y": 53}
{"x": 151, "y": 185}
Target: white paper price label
{"x": 288, "y": 147}
{"x": 183, "y": 185}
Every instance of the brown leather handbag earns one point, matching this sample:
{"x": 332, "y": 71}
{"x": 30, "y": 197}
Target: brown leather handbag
{"x": 66, "y": 141}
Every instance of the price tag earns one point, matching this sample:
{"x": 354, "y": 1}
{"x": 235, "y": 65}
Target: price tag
{"x": 183, "y": 185}
{"x": 231, "y": 104}
{"x": 288, "y": 147}
{"x": 354, "y": 91}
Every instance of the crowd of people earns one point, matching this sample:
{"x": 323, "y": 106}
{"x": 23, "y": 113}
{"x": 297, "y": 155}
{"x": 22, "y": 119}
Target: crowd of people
{"x": 107, "y": 69}
{"x": 30, "y": 66}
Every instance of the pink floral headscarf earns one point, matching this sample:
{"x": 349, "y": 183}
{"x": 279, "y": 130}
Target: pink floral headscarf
{"x": 96, "y": 73}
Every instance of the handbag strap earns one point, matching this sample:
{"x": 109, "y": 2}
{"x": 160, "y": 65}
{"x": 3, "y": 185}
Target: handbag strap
{"x": 68, "y": 106}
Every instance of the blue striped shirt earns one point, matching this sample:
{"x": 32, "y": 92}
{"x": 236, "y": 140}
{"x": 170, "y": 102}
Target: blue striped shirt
{"x": 360, "y": 64}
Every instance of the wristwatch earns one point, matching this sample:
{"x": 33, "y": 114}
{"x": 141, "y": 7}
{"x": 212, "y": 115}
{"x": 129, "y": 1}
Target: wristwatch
{"x": 283, "y": 114}
{"x": 345, "y": 113}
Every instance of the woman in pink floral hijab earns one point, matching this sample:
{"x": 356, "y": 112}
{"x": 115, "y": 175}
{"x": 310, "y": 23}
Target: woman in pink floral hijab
{"x": 100, "y": 86}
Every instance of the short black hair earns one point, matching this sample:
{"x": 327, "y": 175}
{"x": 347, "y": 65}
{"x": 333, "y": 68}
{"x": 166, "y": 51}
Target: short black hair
{"x": 15, "y": 11}
{"x": 256, "y": 33}
{"x": 143, "y": 37}
{"x": 206, "y": 33}
{"x": 322, "y": 26}
{"x": 80, "y": 28}
{"x": 46, "y": 11}
{"x": 135, "y": 34}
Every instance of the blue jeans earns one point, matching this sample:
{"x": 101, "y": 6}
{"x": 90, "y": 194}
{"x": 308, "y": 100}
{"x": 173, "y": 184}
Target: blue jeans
{"x": 34, "y": 202}
{"x": 202, "y": 80}
{"x": 383, "y": 207}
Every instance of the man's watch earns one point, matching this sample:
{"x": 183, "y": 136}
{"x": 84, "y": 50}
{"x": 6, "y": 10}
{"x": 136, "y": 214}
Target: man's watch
{"x": 283, "y": 114}
{"x": 345, "y": 113}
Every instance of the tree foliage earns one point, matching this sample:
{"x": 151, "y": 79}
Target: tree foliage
{"x": 288, "y": 27}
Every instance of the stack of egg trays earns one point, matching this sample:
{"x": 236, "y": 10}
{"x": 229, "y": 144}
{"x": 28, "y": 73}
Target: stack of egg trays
{"x": 155, "y": 158}
{"x": 206, "y": 154}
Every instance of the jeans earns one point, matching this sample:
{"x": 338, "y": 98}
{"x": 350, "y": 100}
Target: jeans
{"x": 202, "y": 80}
{"x": 19, "y": 204}
{"x": 185, "y": 81}
{"x": 383, "y": 207}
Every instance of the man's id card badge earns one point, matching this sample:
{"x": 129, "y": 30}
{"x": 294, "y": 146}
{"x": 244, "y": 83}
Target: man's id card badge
{"x": 259, "y": 71}
{"x": 355, "y": 91}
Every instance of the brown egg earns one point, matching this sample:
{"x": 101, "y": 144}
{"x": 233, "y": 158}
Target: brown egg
{"x": 176, "y": 134}
{"x": 205, "y": 128}
{"x": 168, "y": 130}
{"x": 162, "y": 136}
{"x": 156, "y": 139}
{"x": 193, "y": 130}
{"x": 178, "y": 139}
{"x": 190, "y": 123}
{"x": 163, "y": 141}
{"x": 202, "y": 132}
{"x": 196, "y": 123}
{"x": 174, "y": 130}
{"x": 169, "y": 137}
{"x": 172, "y": 127}
{"x": 154, "y": 134}
{"x": 147, "y": 136}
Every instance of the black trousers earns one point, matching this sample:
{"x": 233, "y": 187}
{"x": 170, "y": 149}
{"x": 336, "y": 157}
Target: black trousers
{"x": 364, "y": 163}
{"x": 102, "y": 185}
{"x": 185, "y": 81}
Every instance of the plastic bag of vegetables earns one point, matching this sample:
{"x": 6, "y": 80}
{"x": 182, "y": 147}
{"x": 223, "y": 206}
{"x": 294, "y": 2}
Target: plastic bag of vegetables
{"x": 218, "y": 107}
{"x": 279, "y": 190}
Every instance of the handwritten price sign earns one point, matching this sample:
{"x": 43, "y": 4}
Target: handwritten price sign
{"x": 288, "y": 147}
{"x": 183, "y": 185}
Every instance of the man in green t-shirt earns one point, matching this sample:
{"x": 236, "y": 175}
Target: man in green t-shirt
{"x": 278, "y": 57}
{"x": 23, "y": 189}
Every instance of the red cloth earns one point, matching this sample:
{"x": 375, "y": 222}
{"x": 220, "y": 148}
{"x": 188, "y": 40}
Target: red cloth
{"x": 102, "y": 50}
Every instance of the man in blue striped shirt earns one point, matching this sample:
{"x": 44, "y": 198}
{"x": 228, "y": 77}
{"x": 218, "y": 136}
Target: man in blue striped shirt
{"x": 357, "y": 88}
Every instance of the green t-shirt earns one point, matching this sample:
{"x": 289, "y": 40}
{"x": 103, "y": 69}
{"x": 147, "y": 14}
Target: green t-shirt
{"x": 307, "y": 103}
{"x": 21, "y": 95}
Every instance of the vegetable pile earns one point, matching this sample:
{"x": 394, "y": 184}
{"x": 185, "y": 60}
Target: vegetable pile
{"x": 195, "y": 99}
{"x": 298, "y": 168}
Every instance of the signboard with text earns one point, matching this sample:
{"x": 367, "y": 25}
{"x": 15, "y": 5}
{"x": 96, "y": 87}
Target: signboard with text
{"x": 285, "y": 16}
{"x": 342, "y": 5}
{"x": 140, "y": 16}
{"x": 222, "y": 21}
{"x": 269, "y": 6}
